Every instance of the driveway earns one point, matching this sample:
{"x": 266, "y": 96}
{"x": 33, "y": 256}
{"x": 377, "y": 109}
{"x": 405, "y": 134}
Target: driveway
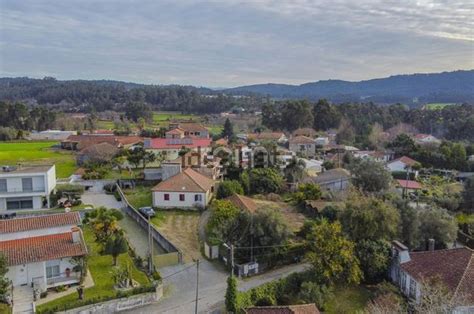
{"x": 136, "y": 236}
{"x": 180, "y": 288}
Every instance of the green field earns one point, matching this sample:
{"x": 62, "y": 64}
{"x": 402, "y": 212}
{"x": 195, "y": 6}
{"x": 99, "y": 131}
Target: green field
{"x": 159, "y": 117}
{"x": 437, "y": 106}
{"x": 36, "y": 153}
{"x": 100, "y": 267}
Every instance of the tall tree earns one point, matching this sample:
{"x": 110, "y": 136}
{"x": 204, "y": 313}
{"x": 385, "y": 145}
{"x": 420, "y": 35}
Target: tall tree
{"x": 369, "y": 218}
{"x": 326, "y": 116}
{"x": 345, "y": 133}
{"x": 331, "y": 255}
{"x": 370, "y": 176}
{"x": 437, "y": 224}
{"x": 228, "y": 131}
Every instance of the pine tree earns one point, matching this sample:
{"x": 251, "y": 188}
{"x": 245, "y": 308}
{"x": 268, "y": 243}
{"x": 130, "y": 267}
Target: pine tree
{"x": 228, "y": 130}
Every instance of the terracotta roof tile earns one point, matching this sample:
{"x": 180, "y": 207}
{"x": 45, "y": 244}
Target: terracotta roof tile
{"x": 409, "y": 184}
{"x": 187, "y": 181}
{"x": 455, "y": 267}
{"x": 302, "y": 140}
{"x": 406, "y": 160}
{"x": 166, "y": 143}
{"x": 284, "y": 309}
{"x": 39, "y": 222}
{"x": 243, "y": 202}
{"x": 42, "y": 248}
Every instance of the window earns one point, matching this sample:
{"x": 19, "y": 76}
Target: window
{"x": 16, "y": 203}
{"x": 27, "y": 184}
{"x": 412, "y": 293}
{"x": 181, "y": 197}
{"x": 3, "y": 185}
{"x": 52, "y": 271}
{"x": 197, "y": 197}
{"x": 167, "y": 197}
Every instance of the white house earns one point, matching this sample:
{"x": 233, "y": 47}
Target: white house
{"x": 454, "y": 267}
{"x": 426, "y": 139}
{"x": 313, "y": 166}
{"x": 401, "y": 164}
{"x": 303, "y": 145}
{"x": 40, "y": 249}
{"x": 188, "y": 189}
{"x": 26, "y": 187}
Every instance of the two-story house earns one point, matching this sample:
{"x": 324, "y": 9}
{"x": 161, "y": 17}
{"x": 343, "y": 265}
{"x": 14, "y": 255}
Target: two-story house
{"x": 43, "y": 251}
{"x": 303, "y": 145}
{"x": 26, "y": 187}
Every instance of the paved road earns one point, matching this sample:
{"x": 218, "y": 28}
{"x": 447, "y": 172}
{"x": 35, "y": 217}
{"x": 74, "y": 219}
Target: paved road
{"x": 180, "y": 288}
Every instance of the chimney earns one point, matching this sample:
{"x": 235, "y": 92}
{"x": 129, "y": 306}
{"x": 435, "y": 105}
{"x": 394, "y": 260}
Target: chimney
{"x": 199, "y": 156}
{"x": 183, "y": 161}
{"x": 431, "y": 244}
{"x": 76, "y": 234}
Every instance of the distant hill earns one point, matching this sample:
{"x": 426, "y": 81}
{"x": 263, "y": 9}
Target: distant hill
{"x": 445, "y": 87}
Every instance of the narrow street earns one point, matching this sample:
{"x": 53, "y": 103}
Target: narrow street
{"x": 180, "y": 289}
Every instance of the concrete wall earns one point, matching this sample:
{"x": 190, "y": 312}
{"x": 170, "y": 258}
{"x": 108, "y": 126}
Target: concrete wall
{"x": 119, "y": 305}
{"x": 174, "y": 202}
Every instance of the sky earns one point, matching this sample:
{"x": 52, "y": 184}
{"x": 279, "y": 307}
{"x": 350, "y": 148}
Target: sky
{"x": 230, "y": 43}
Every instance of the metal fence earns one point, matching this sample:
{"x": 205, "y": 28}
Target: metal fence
{"x": 162, "y": 241}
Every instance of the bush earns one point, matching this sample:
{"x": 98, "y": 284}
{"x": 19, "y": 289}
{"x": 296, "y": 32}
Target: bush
{"x": 70, "y": 188}
{"x": 117, "y": 196}
{"x": 228, "y": 188}
{"x": 110, "y": 188}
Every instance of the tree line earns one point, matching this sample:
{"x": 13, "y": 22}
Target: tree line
{"x": 87, "y": 96}
{"x": 357, "y": 120}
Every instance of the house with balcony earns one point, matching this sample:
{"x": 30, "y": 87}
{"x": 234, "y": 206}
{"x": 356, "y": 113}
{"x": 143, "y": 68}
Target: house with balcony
{"x": 26, "y": 187}
{"x": 43, "y": 251}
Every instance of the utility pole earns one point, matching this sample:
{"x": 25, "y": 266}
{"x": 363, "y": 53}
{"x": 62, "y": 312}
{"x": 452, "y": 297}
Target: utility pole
{"x": 232, "y": 259}
{"x": 197, "y": 286}
{"x": 150, "y": 247}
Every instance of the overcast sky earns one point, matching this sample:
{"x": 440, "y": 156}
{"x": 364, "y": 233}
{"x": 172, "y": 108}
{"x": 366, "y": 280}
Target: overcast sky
{"x": 230, "y": 43}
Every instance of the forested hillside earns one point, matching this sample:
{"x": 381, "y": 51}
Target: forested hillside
{"x": 457, "y": 87}
{"x": 103, "y": 95}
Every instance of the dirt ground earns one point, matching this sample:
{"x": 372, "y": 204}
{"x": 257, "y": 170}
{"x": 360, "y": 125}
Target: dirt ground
{"x": 294, "y": 219}
{"x": 181, "y": 228}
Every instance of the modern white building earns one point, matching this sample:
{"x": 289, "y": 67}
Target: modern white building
{"x": 188, "y": 189}
{"x": 26, "y": 187}
{"x": 43, "y": 251}
{"x": 401, "y": 164}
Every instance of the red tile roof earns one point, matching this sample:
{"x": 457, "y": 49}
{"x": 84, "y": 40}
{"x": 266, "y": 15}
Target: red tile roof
{"x": 39, "y": 222}
{"x": 176, "y": 131}
{"x": 284, "y": 309}
{"x": 187, "y": 181}
{"x": 302, "y": 140}
{"x": 243, "y": 202}
{"x": 166, "y": 143}
{"x": 88, "y": 140}
{"x": 409, "y": 184}
{"x": 455, "y": 267}
{"x": 42, "y": 248}
{"x": 406, "y": 160}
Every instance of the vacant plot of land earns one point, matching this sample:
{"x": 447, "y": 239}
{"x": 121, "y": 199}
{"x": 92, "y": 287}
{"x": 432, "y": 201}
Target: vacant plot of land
{"x": 41, "y": 152}
{"x": 291, "y": 215}
{"x": 138, "y": 197}
{"x": 181, "y": 228}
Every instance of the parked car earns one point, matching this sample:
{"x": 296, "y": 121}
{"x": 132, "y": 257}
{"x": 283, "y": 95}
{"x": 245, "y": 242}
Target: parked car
{"x": 147, "y": 211}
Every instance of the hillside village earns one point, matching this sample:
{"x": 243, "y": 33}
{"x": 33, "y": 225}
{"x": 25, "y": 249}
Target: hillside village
{"x": 296, "y": 220}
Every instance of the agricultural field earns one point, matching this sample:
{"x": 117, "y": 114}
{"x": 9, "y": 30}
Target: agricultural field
{"x": 437, "y": 106}
{"x": 37, "y": 153}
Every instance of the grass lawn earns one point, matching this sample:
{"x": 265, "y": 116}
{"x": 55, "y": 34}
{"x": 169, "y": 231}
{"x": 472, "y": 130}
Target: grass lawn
{"x": 348, "y": 300}
{"x": 140, "y": 196}
{"x": 5, "y": 309}
{"x": 437, "y": 106}
{"x": 100, "y": 267}
{"x": 215, "y": 129}
{"x": 40, "y": 152}
{"x": 162, "y": 116}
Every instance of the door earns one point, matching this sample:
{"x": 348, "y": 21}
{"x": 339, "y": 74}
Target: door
{"x": 22, "y": 275}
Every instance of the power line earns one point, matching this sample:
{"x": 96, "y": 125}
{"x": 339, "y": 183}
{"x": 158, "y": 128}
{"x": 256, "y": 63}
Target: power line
{"x": 179, "y": 271}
